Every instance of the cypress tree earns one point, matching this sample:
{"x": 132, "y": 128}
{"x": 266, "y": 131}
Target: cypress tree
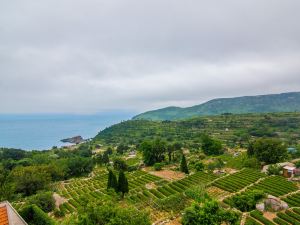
{"x": 112, "y": 180}
{"x": 122, "y": 183}
{"x": 105, "y": 158}
{"x": 183, "y": 165}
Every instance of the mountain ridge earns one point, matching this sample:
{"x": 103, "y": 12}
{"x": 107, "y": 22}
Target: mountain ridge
{"x": 283, "y": 102}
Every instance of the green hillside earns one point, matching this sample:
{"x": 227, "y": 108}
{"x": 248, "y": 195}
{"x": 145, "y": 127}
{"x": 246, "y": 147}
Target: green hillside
{"x": 285, "y": 102}
{"x": 231, "y": 129}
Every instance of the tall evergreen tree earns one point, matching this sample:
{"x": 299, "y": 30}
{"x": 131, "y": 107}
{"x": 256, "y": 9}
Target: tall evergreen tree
{"x": 112, "y": 181}
{"x": 105, "y": 158}
{"x": 183, "y": 165}
{"x": 122, "y": 183}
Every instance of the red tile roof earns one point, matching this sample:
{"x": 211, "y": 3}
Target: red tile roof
{"x": 3, "y": 216}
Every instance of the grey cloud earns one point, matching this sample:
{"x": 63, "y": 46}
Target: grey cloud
{"x": 75, "y": 56}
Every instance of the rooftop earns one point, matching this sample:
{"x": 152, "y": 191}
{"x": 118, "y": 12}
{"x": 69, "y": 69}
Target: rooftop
{"x": 9, "y": 216}
{"x": 289, "y": 167}
{"x": 3, "y": 216}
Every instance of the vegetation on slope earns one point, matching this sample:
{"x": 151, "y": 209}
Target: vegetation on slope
{"x": 232, "y": 130}
{"x": 286, "y": 102}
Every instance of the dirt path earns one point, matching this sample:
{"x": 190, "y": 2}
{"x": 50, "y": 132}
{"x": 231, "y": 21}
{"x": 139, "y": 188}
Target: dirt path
{"x": 58, "y": 200}
{"x": 244, "y": 217}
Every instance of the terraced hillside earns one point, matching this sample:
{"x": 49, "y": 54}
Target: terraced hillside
{"x": 231, "y": 129}
{"x": 146, "y": 191}
{"x": 239, "y": 180}
{"x": 274, "y": 185}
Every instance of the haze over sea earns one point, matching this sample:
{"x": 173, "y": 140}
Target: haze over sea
{"x": 40, "y": 132}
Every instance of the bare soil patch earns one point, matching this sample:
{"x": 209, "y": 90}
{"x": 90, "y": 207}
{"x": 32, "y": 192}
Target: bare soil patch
{"x": 270, "y": 215}
{"x": 168, "y": 174}
{"x": 174, "y": 222}
{"x": 150, "y": 186}
{"x": 230, "y": 170}
{"x": 58, "y": 200}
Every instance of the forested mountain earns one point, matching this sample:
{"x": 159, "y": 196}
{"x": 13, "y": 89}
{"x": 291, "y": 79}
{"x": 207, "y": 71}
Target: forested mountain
{"x": 285, "y": 102}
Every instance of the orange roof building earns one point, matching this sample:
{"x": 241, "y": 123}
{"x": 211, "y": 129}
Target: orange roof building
{"x": 9, "y": 216}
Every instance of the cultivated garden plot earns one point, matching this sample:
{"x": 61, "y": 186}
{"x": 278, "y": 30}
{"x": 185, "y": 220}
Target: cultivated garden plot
{"x": 216, "y": 192}
{"x": 275, "y": 185}
{"x": 96, "y": 188}
{"x": 293, "y": 200}
{"x": 239, "y": 180}
{"x": 260, "y": 219}
{"x": 291, "y": 216}
{"x": 166, "y": 189}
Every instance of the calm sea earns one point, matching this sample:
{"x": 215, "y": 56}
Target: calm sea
{"x": 41, "y": 132}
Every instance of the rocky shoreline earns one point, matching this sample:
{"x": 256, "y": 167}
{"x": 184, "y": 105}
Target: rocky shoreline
{"x": 73, "y": 140}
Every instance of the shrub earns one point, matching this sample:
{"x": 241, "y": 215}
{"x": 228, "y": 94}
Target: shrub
{"x": 158, "y": 166}
{"x": 113, "y": 214}
{"x": 199, "y": 166}
{"x": 247, "y": 200}
{"x": 58, "y": 213}
{"x": 209, "y": 213}
{"x": 43, "y": 200}
{"x": 274, "y": 170}
{"x": 33, "y": 215}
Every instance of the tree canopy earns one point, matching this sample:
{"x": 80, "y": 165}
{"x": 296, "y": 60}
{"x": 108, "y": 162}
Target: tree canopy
{"x": 122, "y": 183}
{"x": 268, "y": 150}
{"x": 211, "y": 146}
{"x": 209, "y": 213}
{"x": 110, "y": 214}
{"x": 183, "y": 165}
{"x": 153, "y": 151}
{"x": 112, "y": 181}
{"x": 30, "y": 179}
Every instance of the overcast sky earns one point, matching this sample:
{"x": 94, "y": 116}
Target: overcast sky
{"x": 89, "y": 56}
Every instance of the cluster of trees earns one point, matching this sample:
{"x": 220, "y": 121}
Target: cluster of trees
{"x": 24, "y": 173}
{"x": 246, "y": 201}
{"x": 154, "y": 154}
{"x": 211, "y": 146}
{"x": 153, "y": 151}
{"x": 122, "y": 148}
{"x": 208, "y": 213}
{"x": 268, "y": 150}
{"x": 120, "y": 185}
{"x": 104, "y": 158}
{"x": 156, "y": 150}
{"x": 110, "y": 213}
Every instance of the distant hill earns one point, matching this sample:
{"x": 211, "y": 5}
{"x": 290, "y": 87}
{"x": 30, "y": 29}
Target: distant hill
{"x": 285, "y": 102}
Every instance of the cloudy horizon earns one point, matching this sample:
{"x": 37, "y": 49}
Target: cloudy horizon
{"x": 84, "y": 57}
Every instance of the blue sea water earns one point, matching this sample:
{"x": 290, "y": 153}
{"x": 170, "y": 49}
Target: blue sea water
{"x": 41, "y": 132}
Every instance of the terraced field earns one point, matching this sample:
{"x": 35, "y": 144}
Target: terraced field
{"x": 289, "y": 217}
{"x": 239, "y": 180}
{"x": 293, "y": 200}
{"x": 144, "y": 189}
{"x": 95, "y": 188}
{"x": 258, "y": 216}
{"x": 166, "y": 189}
{"x": 275, "y": 185}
